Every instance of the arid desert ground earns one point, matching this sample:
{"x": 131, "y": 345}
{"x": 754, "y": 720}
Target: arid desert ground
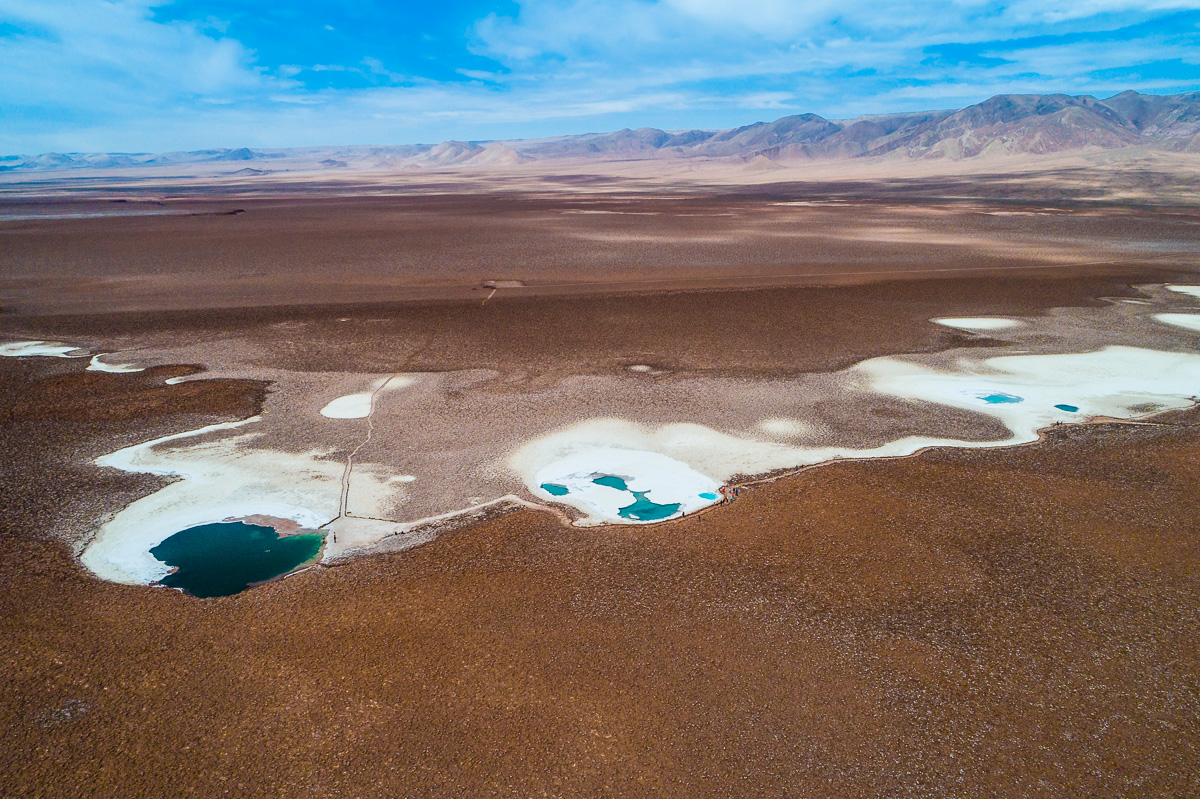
{"x": 969, "y": 619}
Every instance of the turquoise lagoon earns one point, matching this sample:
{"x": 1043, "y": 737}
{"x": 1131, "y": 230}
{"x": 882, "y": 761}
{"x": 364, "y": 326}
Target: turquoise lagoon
{"x": 228, "y": 557}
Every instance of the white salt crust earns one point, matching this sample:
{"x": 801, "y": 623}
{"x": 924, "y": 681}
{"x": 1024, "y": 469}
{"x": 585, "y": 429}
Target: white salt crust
{"x": 361, "y": 404}
{"x": 1110, "y": 382}
{"x": 351, "y": 406}
{"x": 48, "y": 349}
{"x": 1187, "y": 321}
{"x": 97, "y": 365}
{"x": 977, "y": 322}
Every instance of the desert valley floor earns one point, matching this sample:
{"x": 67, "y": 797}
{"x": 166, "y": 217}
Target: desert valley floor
{"x": 965, "y": 621}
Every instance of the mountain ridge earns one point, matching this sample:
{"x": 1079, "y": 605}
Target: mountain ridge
{"x": 1011, "y": 124}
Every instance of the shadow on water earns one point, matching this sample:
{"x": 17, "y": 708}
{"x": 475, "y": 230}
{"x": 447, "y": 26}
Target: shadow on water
{"x": 228, "y": 557}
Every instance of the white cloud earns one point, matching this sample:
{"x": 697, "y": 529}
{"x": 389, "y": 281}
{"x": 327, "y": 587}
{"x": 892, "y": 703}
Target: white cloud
{"x": 110, "y": 77}
{"x": 1064, "y": 10}
{"x": 116, "y": 43}
{"x": 770, "y": 18}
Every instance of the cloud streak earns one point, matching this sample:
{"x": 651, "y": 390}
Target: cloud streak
{"x": 150, "y": 75}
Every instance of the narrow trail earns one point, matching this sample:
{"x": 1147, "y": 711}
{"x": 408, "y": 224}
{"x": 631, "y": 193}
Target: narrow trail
{"x": 506, "y": 499}
{"x": 347, "y": 472}
{"x": 345, "y": 495}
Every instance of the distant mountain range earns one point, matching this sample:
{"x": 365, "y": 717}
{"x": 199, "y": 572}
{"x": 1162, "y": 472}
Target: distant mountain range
{"x": 1004, "y": 125}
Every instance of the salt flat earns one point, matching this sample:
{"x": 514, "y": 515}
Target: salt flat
{"x": 597, "y": 444}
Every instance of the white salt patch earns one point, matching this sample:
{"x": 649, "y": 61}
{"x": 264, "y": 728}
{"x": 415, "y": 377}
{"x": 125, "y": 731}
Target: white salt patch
{"x": 1188, "y": 321}
{"x": 141, "y": 457}
{"x": 665, "y": 480}
{"x": 359, "y": 406}
{"x": 641, "y": 367}
{"x": 977, "y": 322}
{"x": 402, "y": 478}
{"x": 97, "y": 365}
{"x": 351, "y": 406}
{"x": 783, "y": 427}
{"x": 172, "y": 381}
{"x": 49, "y": 349}
{"x": 1109, "y": 382}
{"x": 1192, "y": 290}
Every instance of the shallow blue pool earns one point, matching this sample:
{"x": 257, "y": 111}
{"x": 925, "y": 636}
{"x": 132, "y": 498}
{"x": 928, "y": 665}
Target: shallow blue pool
{"x": 1000, "y": 398}
{"x": 644, "y": 510}
{"x": 612, "y": 481}
{"x": 1068, "y": 408}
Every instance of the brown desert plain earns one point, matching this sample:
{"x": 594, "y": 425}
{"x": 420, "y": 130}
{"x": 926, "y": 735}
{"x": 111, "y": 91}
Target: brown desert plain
{"x": 1019, "y": 621}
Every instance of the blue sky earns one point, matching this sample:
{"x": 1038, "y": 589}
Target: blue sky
{"x": 154, "y": 75}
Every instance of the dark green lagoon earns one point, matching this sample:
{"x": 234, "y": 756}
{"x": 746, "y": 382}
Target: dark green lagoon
{"x": 227, "y": 557}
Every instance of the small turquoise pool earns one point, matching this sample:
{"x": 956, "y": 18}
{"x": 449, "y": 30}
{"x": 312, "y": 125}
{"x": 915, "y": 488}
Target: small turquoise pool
{"x": 612, "y": 481}
{"x": 1068, "y": 408}
{"x": 641, "y": 509}
{"x": 644, "y": 510}
{"x": 228, "y": 557}
{"x": 1000, "y": 398}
